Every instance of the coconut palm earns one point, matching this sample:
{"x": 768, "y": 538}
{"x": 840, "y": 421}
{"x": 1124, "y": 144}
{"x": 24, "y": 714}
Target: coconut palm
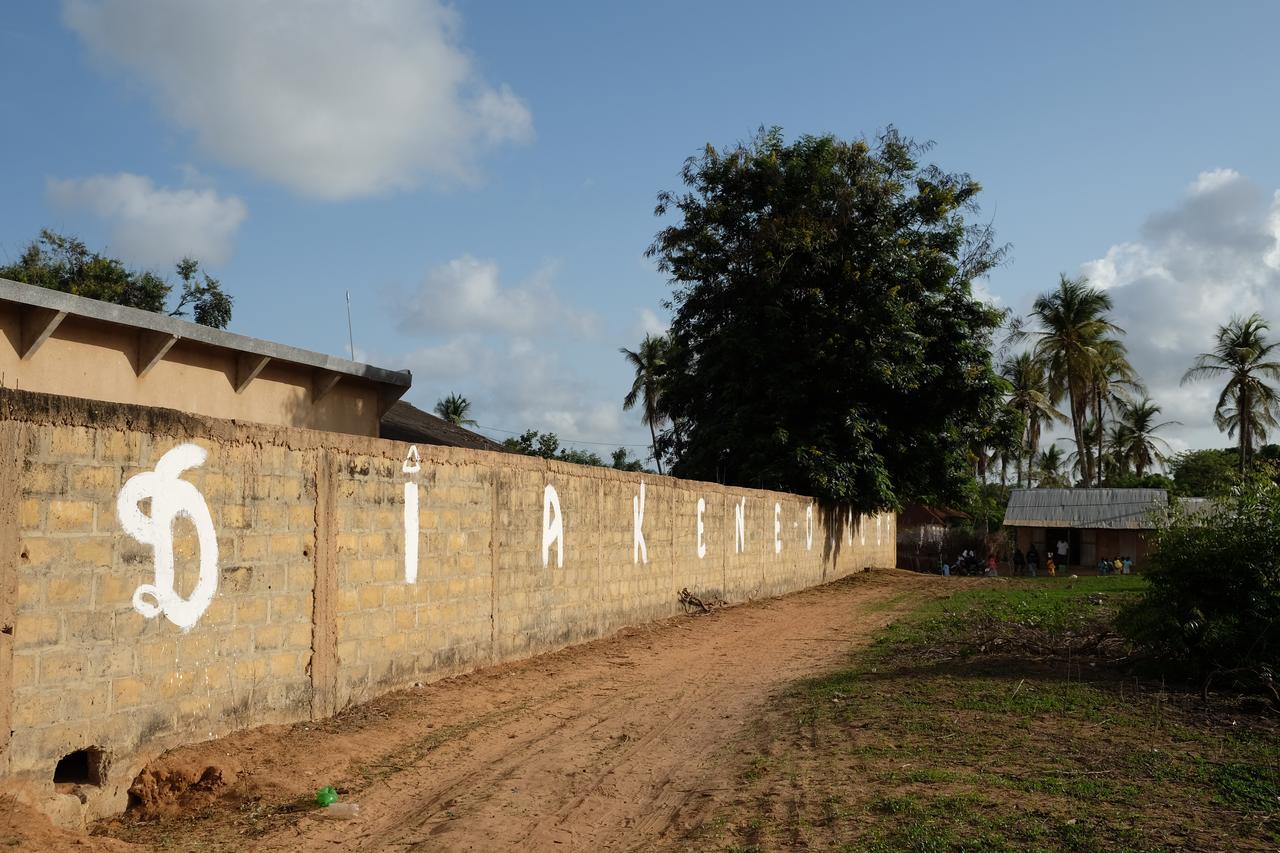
{"x": 1072, "y": 324}
{"x": 1113, "y": 378}
{"x": 650, "y": 363}
{"x": 1248, "y": 405}
{"x": 1050, "y": 467}
{"x": 1028, "y": 392}
{"x": 456, "y": 409}
{"x": 1134, "y": 441}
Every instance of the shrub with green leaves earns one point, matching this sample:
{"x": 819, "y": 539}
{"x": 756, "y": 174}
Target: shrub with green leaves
{"x": 1213, "y": 607}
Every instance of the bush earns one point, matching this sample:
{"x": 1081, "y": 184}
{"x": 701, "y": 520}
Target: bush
{"x": 1213, "y": 606}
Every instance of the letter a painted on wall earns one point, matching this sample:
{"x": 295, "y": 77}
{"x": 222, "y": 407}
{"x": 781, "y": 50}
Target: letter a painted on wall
{"x": 171, "y": 497}
{"x": 552, "y": 526}
{"x": 412, "y": 465}
{"x": 639, "y": 551}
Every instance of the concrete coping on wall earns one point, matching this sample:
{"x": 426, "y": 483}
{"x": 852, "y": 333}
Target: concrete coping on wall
{"x": 53, "y": 306}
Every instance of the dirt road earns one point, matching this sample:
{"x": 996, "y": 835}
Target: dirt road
{"x": 618, "y": 744}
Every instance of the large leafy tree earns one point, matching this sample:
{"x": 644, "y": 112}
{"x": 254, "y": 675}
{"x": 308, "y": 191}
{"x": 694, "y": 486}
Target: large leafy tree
{"x": 1248, "y": 404}
{"x": 826, "y": 338}
{"x": 650, "y": 364}
{"x": 1070, "y": 330}
{"x": 66, "y": 264}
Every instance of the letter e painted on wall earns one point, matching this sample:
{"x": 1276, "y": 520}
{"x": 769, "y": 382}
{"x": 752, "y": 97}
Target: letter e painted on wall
{"x": 702, "y": 545}
{"x": 777, "y": 528}
{"x": 639, "y": 551}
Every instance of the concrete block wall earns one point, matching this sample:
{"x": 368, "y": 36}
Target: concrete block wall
{"x": 313, "y": 610}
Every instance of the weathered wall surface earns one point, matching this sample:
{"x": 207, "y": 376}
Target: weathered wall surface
{"x": 294, "y": 590}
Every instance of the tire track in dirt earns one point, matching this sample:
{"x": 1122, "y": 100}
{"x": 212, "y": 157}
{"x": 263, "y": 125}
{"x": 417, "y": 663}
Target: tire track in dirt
{"x": 612, "y": 745}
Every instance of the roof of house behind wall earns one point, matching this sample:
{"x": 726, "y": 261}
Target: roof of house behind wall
{"x": 1107, "y": 509}
{"x": 53, "y": 305}
{"x": 404, "y": 422}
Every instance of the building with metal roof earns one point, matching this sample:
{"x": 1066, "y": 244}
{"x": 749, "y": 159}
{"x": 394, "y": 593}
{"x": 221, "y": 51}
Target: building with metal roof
{"x": 1085, "y": 525}
{"x": 59, "y": 343}
{"x": 404, "y": 422}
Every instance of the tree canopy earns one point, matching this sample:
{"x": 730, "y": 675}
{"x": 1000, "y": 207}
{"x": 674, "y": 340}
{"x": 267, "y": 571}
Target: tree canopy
{"x": 826, "y": 338}
{"x": 547, "y": 445}
{"x": 66, "y": 264}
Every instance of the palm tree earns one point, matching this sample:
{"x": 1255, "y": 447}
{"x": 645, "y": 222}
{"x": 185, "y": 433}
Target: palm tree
{"x": 1029, "y": 395}
{"x": 456, "y": 409}
{"x": 1113, "y": 375}
{"x": 1247, "y": 404}
{"x": 650, "y": 363}
{"x": 1134, "y": 440}
{"x": 1072, "y": 325}
{"x": 1049, "y": 467}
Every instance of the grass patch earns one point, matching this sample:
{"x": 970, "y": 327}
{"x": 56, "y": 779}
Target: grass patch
{"x": 1002, "y": 718}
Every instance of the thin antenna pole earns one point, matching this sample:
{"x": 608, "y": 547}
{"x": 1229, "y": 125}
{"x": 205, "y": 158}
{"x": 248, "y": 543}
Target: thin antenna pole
{"x": 351, "y": 338}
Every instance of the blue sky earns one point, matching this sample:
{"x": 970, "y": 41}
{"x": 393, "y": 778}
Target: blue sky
{"x": 482, "y": 177}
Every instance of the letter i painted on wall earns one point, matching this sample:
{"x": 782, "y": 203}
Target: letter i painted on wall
{"x": 740, "y": 526}
{"x": 412, "y": 465}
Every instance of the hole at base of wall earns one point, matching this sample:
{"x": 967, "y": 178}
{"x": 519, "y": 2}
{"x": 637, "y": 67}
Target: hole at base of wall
{"x": 82, "y": 767}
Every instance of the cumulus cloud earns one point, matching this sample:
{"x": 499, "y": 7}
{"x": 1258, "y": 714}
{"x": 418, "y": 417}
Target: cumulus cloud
{"x": 467, "y": 295}
{"x": 155, "y": 226}
{"x": 1213, "y": 255}
{"x": 649, "y": 323}
{"x": 518, "y": 383}
{"x": 331, "y": 98}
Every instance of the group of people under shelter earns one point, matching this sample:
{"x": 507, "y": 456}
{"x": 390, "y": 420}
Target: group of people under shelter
{"x": 1028, "y": 564}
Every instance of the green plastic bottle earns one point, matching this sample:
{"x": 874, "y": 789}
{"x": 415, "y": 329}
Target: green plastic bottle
{"x": 326, "y": 796}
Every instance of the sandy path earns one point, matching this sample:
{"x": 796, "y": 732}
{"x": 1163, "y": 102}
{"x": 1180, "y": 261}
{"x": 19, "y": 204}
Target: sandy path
{"x": 611, "y": 745}
{"x": 619, "y": 744}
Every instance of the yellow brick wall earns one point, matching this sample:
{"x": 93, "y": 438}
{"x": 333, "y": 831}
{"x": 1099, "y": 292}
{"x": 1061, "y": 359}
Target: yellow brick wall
{"x": 87, "y": 669}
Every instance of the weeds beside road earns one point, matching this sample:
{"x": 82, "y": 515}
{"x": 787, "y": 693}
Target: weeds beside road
{"x": 1004, "y": 717}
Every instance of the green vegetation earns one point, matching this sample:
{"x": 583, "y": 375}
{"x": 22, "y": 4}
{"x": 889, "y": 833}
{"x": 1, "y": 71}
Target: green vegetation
{"x": 547, "y": 445}
{"x": 1002, "y": 718}
{"x": 456, "y": 409}
{"x": 826, "y": 339}
{"x": 1214, "y": 604}
{"x": 1248, "y": 405}
{"x": 66, "y": 264}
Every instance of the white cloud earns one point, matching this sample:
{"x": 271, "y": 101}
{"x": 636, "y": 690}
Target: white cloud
{"x": 332, "y": 98}
{"x": 467, "y": 295}
{"x": 1213, "y": 255}
{"x": 155, "y": 226}
{"x": 519, "y": 383}
{"x": 649, "y": 323}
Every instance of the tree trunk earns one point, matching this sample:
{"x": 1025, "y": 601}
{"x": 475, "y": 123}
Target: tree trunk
{"x": 654, "y": 447}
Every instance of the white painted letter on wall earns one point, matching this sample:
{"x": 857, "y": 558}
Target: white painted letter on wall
{"x": 639, "y": 551}
{"x": 848, "y": 529}
{"x": 412, "y": 465}
{"x": 171, "y": 497}
{"x": 702, "y": 546}
{"x": 552, "y": 526}
{"x": 777, "y": 528}
{"x": 878, "y": 519}
{"x": 808, "y": 528}
{"x": 740, "y": 526}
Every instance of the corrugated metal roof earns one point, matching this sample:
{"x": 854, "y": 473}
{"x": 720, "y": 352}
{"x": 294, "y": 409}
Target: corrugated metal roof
{"x": 1108, "y": 509}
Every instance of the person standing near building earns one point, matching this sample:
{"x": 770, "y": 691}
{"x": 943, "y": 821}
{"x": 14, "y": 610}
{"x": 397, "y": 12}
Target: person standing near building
{"x": 1062, "y": 553}
{"x": 1033, "y": 560}
{"x": 1019, "y": 562}
{"x": 1127, "y": 565}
